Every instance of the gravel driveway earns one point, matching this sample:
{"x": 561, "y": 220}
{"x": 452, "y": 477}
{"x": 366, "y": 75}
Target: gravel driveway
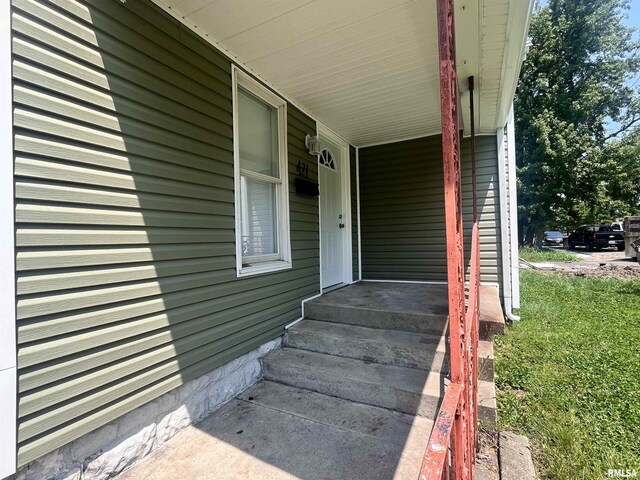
{"x": 601, "y": 264}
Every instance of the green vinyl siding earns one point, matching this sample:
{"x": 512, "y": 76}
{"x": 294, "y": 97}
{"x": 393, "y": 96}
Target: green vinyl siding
{"x": 353, "y": 179}
{"x": 402, "y": 209}
{"x": 488, "y": 188}
{"x": 124, "y": 185}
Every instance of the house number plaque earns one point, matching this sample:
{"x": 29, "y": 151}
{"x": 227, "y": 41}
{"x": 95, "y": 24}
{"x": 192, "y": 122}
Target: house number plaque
{"x": 302, "y": 169}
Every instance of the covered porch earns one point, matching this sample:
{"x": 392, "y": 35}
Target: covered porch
{"x": 136, "y": 277}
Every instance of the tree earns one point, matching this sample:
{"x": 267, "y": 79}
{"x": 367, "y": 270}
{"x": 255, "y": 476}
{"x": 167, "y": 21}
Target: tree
{"x": 574, "y": 81}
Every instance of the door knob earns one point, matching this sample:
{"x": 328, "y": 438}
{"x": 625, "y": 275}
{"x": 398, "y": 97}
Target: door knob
{"x": 341, "y": 225}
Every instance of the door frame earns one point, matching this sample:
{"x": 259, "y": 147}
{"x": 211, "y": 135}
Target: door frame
{"x": 344, "y": 170}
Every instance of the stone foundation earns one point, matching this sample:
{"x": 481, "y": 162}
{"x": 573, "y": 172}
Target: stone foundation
{"x": 109, "y": 450}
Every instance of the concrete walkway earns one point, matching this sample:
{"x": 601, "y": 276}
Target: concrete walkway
{"x": 353, "y": 394}
{"x": 275, "y": 431}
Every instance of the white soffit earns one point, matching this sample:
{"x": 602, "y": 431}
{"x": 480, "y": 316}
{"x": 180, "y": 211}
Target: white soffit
{"x": 366, "y": 68}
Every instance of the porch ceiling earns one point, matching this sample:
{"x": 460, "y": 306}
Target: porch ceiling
{"x": 368, "y": 69}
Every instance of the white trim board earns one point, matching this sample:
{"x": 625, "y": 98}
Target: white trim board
{"x": 319, "y": 225}
{"x": 298, "y": 320}
{"x": 505, "y": 233}
{"x": 8, "y": 371}
{"x": 520, "y": 13}
{"x": 513, "y": 211}
{"x": 281, "y": 260}
{"x": 359, "y": 215}
{"x": 295, "y": 322}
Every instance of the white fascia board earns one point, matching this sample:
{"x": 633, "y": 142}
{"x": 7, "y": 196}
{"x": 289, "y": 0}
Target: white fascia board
{"x": 8, "y": 379}
{"x": 520, "y": 12}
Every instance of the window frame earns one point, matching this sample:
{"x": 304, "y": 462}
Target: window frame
{"x": 282, "y": 259}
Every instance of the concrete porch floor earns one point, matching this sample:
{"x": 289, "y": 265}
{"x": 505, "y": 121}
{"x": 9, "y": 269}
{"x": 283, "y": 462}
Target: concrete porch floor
{"x": 397, "y": 298}
{"x": 352, "y": 394}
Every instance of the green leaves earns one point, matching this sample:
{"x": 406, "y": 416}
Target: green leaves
{"x": 573, "y": 81}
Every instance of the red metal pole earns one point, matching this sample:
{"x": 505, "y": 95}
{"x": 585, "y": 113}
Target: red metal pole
{"x": 454, "y": 231}
{"x": 436, "y": 458}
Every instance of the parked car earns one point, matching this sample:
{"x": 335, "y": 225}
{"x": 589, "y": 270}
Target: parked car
{"x": 594, "y": 237}
{"x": 553, "y": 237}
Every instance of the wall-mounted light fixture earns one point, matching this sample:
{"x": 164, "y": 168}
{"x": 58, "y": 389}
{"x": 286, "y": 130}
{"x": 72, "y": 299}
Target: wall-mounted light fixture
{"x": 312, "y": 144}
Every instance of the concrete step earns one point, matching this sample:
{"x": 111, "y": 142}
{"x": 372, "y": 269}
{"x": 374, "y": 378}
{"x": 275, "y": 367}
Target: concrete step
{"x": 408, "y": 307}
{"x": 487, "y": 408}
{"x": 491, "y": 315}
{"x": 429, "y": 324}
{"x": 381, "y": 423}
{"x": 407, "y": 390}
{"x": 485, "y": 360}
{"x": 282, "y": 433}
{"x": 390, "y": 347}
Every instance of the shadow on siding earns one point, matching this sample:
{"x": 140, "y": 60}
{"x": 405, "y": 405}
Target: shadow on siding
{"x": 126, "y": 248}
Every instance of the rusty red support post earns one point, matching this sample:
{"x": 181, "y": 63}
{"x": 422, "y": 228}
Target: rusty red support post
{"x": 454, "y": 232}
{"x": 452, "y": 443}
{"x": 436, "y": 462}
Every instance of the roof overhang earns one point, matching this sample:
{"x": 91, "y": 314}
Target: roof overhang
{"x": 368, "y": 69}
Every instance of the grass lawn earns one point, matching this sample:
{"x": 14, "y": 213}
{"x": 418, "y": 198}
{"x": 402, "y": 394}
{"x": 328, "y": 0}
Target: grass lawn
{"x": 546, "y": 255}
{"x": 568, "y": 374}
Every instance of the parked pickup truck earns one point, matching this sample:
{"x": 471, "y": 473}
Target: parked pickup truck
{"x": 594, "y": 237}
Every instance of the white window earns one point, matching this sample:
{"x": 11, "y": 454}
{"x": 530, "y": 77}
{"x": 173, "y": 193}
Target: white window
{"x": 326, "y": 159}
{"x": 261, "y": 181}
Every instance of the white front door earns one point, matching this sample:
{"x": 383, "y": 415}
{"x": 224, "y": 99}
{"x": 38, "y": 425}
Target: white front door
{"x": 332, "y": 212}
